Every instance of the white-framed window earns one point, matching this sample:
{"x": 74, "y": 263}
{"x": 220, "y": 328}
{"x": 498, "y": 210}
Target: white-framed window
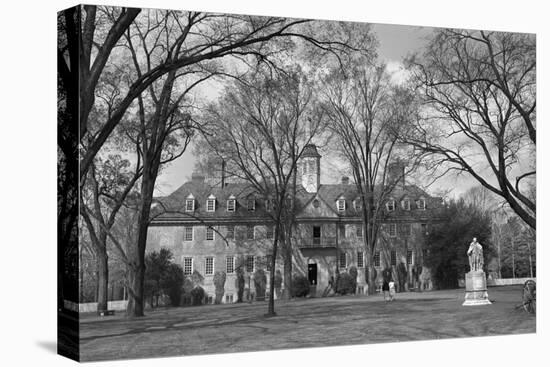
{"x": 231, "y": 204}
{"x": 360, "y": 259}
{"x": 187, "y": 265}
{"x": 190, "y": 203}
{"x": 341, "y": 204}
{"x": 342, "y": 230}
{"x": 251, "y": 204}
{"x": 390, "y": 205}
{"x": 249, "y": 263}
{"x": 228, "y": 298}
{"x": 377, "y": 259}
{"x": 357, "y": 204}
{"x": 211, "y": 203}
{"x": 359, "y": 230}
{"x": 249, "y": 232}
{"x": 316, "y": 235}
{"x": 421, "y": 203}
{"x": 406, "y": 204}
{"x": 269, "y": 231}
{"x": 209, "y": 234}
{"x": 392, "y": 230}
{"x": 188, "y": 233}
{"x": 393, "y": 258}
{"x": 230, "y": 232}
{"x": 409, "y": 257}
{"x": 407, "y": 229}
{"x": 288, "y": 203}
{"x": 209, "y": 265}
{"x": 269, "y": 204}
{"x": 342, "y": 260}
{"x": 230, "y": 264}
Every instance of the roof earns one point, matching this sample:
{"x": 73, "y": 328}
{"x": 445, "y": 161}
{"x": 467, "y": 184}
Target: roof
{"x": 310, "y": 150}
{"x": 173, "y": 206}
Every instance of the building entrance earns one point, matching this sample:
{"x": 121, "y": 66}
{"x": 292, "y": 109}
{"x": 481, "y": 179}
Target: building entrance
{"x": 312, "y": 273}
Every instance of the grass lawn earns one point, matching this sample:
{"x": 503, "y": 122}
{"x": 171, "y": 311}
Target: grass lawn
{"x": 314, "y": 322}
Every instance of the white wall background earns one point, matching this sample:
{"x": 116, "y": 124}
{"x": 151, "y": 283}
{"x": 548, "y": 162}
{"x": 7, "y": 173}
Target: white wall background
{"x": 28, "y": 180}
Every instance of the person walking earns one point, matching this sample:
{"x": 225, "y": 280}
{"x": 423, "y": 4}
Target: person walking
{"x": 386, "y": 289}
{"x": 391, "y": 286}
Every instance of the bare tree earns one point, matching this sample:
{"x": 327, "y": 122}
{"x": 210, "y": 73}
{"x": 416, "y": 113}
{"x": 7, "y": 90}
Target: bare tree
{"x": 365, "y": 114}
{"x": 191, "y": 38}
{"x": 110, "y": 182}
{"x": 259, "y": 129}
{"x": 479, "y": 110}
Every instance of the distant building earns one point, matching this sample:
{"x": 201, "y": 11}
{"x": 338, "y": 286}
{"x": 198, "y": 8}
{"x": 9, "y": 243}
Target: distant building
{"x": 219, "y": 228}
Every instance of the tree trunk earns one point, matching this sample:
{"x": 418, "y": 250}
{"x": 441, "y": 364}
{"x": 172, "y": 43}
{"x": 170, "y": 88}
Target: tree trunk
{"x": 287, "y": 271}
{"x": 102, "y": 281}
{"x": 135, "y": 291}
{"x": 137, "y": 255}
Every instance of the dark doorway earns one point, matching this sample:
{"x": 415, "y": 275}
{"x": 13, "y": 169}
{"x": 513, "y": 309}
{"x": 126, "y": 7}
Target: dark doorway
{"x": 312, "y": 273}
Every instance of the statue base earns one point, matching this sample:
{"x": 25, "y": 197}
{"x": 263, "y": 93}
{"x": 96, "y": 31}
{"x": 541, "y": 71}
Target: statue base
{"x": 476, "y": 289}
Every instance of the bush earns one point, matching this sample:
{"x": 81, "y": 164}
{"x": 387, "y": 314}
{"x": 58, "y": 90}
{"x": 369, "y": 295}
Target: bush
{"x": 353, "y": 273}
{"x": 260, "y": 281}
{"x": 197, "y": 296}
{"x": 239, "y": 284}
{"x": 172, "y": 283}
{"x": 401, "y": 276}
{"x": 219, "y": 282}
{"x": 300, "y": 286}
{"x": 345, "y": 284}
{"x": 197, "y": 278}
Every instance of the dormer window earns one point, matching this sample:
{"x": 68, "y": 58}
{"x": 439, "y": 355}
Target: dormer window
{"x": 190, "y": 203}
{"x": 390, "y": 205}
{"x": 211, "y": 203}
{"x": 357, "y": 204}
{"x": 288, "y": 203}
{"x": 231, "y": 204}
{"x": 421, "y": 204}
{"x": 269, "y": 204}
{"x": 341, "y": 204}
{"x": 406, "y": 204}
{"x": 251, "y": 204}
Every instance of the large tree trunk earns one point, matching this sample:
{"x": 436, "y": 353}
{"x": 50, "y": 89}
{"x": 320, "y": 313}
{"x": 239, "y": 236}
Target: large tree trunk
{"x": 102, "y": 280}
{"x": 137, "y": 255}
{"x": 271, "y": 304}
{"x": 287, "y": 275}
{"x": 371, "y": 273}
{"x": 135, "y": 291}
{"x": 287, "y": 267}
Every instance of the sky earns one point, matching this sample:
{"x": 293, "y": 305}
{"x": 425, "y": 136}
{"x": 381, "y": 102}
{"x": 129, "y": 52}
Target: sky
{"x": 395, "y": 43}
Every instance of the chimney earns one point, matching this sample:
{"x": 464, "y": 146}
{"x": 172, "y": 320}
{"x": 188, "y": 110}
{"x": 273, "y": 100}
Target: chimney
{"x": 197, "y": 177}
{"x": 396, "y": 174}
{"x": 345, "y": 180}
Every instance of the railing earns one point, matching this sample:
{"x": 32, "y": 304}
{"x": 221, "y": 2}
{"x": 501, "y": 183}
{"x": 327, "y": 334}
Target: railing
{"x": 316, "y": 242}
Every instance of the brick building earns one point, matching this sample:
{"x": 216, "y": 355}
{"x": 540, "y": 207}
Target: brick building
{"x": 218, "y": 228}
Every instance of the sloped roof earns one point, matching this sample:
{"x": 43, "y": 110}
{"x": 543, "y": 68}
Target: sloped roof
{"x": 173, "y": 205}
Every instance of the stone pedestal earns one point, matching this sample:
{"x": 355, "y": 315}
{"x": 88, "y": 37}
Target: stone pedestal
{"x": 476, "y": 289}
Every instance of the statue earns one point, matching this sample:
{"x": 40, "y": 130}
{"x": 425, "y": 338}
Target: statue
{"x": 475, "y": 255}
{"x": 476, "y": 283}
